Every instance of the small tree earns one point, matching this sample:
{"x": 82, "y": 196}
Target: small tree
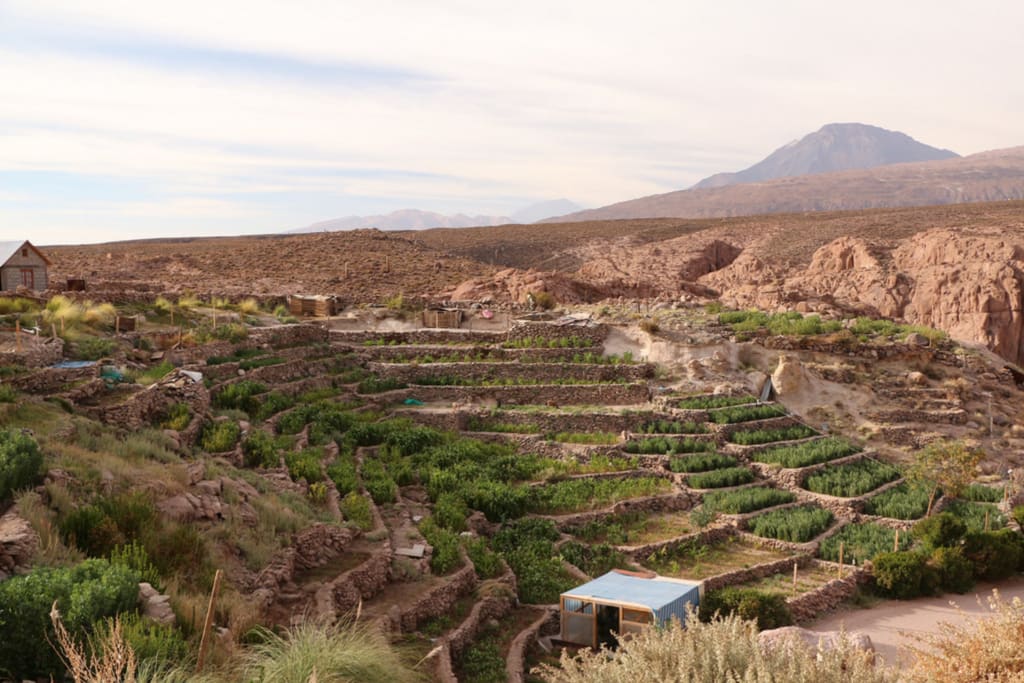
{"x": 948, "y": 466}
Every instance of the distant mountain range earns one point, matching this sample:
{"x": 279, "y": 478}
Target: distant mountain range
{"x": 836, "y": 147}
{"x": 947, "y": 179}
{"x": 415, "y": 219}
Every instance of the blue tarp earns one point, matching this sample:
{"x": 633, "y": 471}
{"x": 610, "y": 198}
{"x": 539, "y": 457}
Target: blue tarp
{"x": 75, "y": 364}
{"x": 665, "y": 598}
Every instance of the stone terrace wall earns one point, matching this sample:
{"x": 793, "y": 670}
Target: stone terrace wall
{"x": 568, "y": 422}
{"x": 290, "y": 335}
{"x": 144, "y": 406}
{"x": 706, "y": 537}
{"x": 51, "y": 380}
{"x": 423, "y": 336}
{"x": 407, "y": 372}
{"x": 758, "y": 571}
{"x": 672, "y": 502}
{"x": 386, "y": 354}
{"x": 814, "y": 603}
{"x": 515, "y": 663}
{"x": 362, "y": 582}
{"x": 439, "y": 600}
{"x": 36, "y": 353}
{"x": 596, "y": 334}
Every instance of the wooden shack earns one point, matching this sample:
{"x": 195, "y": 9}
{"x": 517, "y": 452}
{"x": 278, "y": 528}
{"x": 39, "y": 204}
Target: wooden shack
{"x": 442, "y": 317}
{"x": 22, "y": 265}
{"x": 316, "y": 305}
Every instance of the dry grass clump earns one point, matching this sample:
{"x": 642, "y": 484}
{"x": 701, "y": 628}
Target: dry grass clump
{"x": 725, "y": 649}
{"x": 113, "y": 661}
{"x": 985, "y": 648}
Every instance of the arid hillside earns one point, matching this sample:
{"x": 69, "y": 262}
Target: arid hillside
{"x": 990, "y": 176}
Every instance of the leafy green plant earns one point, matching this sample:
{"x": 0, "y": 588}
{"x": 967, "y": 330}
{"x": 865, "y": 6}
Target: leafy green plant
{"x": 769, "y": 610}
{"x": 977, "y": 516}
{"x": 8, "y": 394}
{"x": 797, "y": 525}
{"x": 373, "y": 385}
{"x": 808, "y": 453}
{"x": 178, "y": 417}
{"x": 93, "y": 348}
{"x": 746, "y": 500}
{"x": 260, "y": 450}
{"x": 672, "y": 427}
{"x": 861, "y": 542}
{"x": 943, "y": 530}
{"x": 601, "y": 438}
{"x": 594, "y": 560}
{"x": 219, "y": 437}
{"x": 356, "y": 509}
{"x": 730, "y": 476}
{"x": 445, "y": 543}
{"x": 343, "y": 473}
{"x": 746, "y": 413}
{"x": 852, "y": 479}
{"x": 903, "y": 575}
{"x": 273, "y": 403}
{"x": 485, "y": 561}
{"x": 575, "y": 495}
{"x": 240, "y": 396}
{"x": 304, "y": 464}
{"x": 701, "y": 462}
{"x": 20, "y": 461}
{"x": 759, "y": 436}
{"x": 528, "y": 547}
{"x": 955, "y": 571}
{"x": 905, "y": 501}
{"x": 450, "y": 511}
{"x": 995, "y": 555}
{"x": 980, "y": 493}
{"x": 668, "y": 446}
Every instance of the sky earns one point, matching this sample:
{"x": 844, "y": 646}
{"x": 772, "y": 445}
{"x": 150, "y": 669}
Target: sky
{"x": 123, "y": 119}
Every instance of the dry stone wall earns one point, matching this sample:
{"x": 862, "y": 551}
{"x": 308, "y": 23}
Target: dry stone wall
{"x": 51, "y": 380}
{"x": 409, "y": 372}
{"x": 439, "y": 600}
{"x": 558, "y": 394}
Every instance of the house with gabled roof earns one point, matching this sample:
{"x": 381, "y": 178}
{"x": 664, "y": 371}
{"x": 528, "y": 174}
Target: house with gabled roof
{"x": 23, "y": 265}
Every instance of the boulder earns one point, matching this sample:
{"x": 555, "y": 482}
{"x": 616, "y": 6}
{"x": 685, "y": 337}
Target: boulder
{"x": 915, "y": 339}
{"x": 916, "y": 379}
{"x": 18, "y": 543}
{"x": 154, "y": 605}
{"x": 790, "y": 377}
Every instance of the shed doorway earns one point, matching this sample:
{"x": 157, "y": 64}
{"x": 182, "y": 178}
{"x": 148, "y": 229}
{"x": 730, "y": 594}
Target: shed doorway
{"x": 28, "y": 278}
{"x": 608, "y": 625}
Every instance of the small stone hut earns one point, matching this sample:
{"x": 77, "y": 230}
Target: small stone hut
{"x": 23, "y": 265}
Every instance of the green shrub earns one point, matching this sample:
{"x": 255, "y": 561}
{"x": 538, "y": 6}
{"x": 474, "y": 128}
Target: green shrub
{"x": 451, "y": 511}
{"x": 528, "y": 547}
{"x": 272, "y": 404}
{"x": 580, "y": 494}
{"x": 905, "y": 501}
{"x": 379, "y": 484}
{"x": 240, "y": 396}
{"x": 746, "y": 500}
{"x": 304, "y": 464}
{"x": 853, "y": 479}
{"x": 482, "y": 662}
{"x": 356, "y": 509}
{"x": 995, "y": 555}
{"x": 759, "y": 436}
{"x": 99, "y": 528}
{"x": 153, "y": 643}
{"x": 902, "y": 575}
{"x": 594, "y": 560}
{"x": 672, "y": 427}
{"x": 601, "y": 438}
{"x": 668, "y": 446}
{"x": 8, "y": 394}
{"x": 374, "y": 385}
{"x": 20, "y": 461}
{"x": 179, "y": 550}
{"x": 769, "y": 610}
{"x": 976, "y": 515}
{"x": 498, "y": 500}
{"x": 445, "y": 543}
{"x": 177, "y": 418}
{"x": 1018, "y": 515}
{"x": 219, "y": 437}
{"x": 85, "y": 594}
{"x": 715, "y": 479}
{"x": 746, "y": 413}
{"x": 980, "y": 493}
{"x": 805, "y": 454}
{"x": 486, "y": 562}
{"x": 861, "y": 542}
{"x": 93, "y": 348}
{"x": 955, "y": 572}
{"x": 259, "y": 450}
{"x": 135, "y": 557}
{"x": 797, "y": 525}
{"x": 701, "y": 462}
{"x": 710, "y": 402}
{"x": 943, "y": 530}
{"x": 343, "y": 473}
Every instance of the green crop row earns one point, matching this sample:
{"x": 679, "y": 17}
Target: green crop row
{"x": 901, "y": 502}
{"x": 862, "y": 542}
{"x": 701, "y": 462}
{"x": 810, "y": 453}
{"x": 853, "y": 479}
{"x": 661, "y": 445}
{"x": 797, "y": 525}
{"x": 759, "y": 436}
{"x": 672, "y": 427}
{"x": 709, "y": 402}
{"x": 716, "y": 479}
{"x": 746, "y": 500}
{"x": 746, "y": 413}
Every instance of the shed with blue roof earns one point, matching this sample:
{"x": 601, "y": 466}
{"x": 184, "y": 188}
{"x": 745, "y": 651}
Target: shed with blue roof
{"x": 622, "y": 603}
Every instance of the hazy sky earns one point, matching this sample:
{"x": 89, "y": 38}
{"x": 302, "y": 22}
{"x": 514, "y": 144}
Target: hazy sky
{"x": 132, "y": 118}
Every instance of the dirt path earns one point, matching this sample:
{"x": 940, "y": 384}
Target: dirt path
{"x": 888, "y": 622}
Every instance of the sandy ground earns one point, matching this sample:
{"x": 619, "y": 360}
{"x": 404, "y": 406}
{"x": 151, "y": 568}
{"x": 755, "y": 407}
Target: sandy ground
{"x": 889, "y": 622}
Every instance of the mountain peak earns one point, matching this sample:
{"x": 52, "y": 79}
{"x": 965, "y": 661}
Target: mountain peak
{"x": 833, "y": 147}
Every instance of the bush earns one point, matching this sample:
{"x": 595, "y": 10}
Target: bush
{"x": 575, "y": 495}
{"x": 769, "y": 610}
{"x": 528, "y": 547}
{"x": 902, "y": 575}
{"x": 259, "y": 450}
{"x": 900, "y": 502}
{"x": 995, "y": 555}
{"x": 219, "y": 437}
{"x": 451, "y": 511}
{"x": 240, "y": 396}
{"x": 664, "y": 445}
{"x": 486, "y": 562}
{"x": 343, "y": 473}
{"x": 759, "y": 436}
{"x": 379, "y": 484}
{"x": 20, "y": 461}
{"x": 805, "y": 454}
{"x": 746, "y": 500}
{"x": 671, "y": 427}
{"x": 980, "y": 493}
{"x": 594, "y": 560}
{"x": 177, "y": 418}
{"x": 701, "y": 462}
{"x": 445, "y": 556}
{"x": 861, "y": 542}
{"x": 99, "y": 528}
{"x": 8, "y": 394}
{"x": 135, "y": 557}
{"x": 853, "y": 479}
{"x": 85, "y": 594}
{"x": 797, "y": 525}
{"x": 1018, "y": 515}
{"x": 93, "y": 348}
{"x": 955, "y": 572}
{"x": 746, "y": 413}
{"x": 272, "y": 404}
{"x": 373, "y": 385}
{"x": 943, "y": 530}
{"x": 356, "y": 509}
{"x": 977, "y": 515}
{"x": 730, "y": 476}
{"x": 304, "y": 464}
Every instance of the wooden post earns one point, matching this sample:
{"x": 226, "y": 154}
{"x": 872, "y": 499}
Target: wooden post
{"x": 204, "y": 642}
{"x": 53, "y": 330}
{"x": 346, "y": 269}
{"x": 794, "y": 578}
{"x": 896, "y": 542}
{"x": 17, "y": 334}
{"x": 841, "y": 544}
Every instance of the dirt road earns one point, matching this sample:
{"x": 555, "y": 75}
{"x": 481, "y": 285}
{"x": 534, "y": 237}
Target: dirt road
{"x": 888, "y": 622}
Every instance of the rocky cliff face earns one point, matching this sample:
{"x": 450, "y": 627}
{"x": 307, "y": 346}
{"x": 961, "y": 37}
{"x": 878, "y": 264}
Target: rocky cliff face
{"x": 967, "y": 283}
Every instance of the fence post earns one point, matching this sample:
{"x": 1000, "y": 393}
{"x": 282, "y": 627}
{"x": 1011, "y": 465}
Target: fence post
{"x": 204, "y": 642}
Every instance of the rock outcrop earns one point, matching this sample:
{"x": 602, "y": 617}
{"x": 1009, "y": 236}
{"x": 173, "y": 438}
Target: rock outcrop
{"x": 18, "y": 543}
{"x": 826, "y": 640}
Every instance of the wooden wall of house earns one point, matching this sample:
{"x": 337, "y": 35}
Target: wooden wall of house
{"x": 10, "y": 272}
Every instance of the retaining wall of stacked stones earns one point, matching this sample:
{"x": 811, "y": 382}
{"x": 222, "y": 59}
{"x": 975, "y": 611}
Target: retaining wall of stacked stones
{"x": 408, "y": 372}
{"x": 769, "y": 423}
{"x": 852, "y": 347}
{"x": 515, "y": 662}
{"x": 405, "y": 353}
{"x": 595, "y": 334}
{"x": 418, "y": 337}
{"x": 439, "y": 600}
{"x": 362, "y": 582}
{"x": 51, "y": 380}
{"x": 672, "y": 502}
{"x": 456, "y": 642}
{"x": 36, "y": 353}
{"x": 755, "y": 573}
{"x": 705, "y": 537}
{"x": 954, "y": 416}
{"x": 142, "y": 407}
{"x": 813, "y": 604}
{"x": 310, "y": 548}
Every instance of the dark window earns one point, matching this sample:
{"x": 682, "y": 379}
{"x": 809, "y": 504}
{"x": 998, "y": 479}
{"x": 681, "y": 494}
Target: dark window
{"x": 24, "y": 253}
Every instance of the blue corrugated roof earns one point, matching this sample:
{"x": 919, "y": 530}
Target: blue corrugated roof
{"x": 652, "y": 593}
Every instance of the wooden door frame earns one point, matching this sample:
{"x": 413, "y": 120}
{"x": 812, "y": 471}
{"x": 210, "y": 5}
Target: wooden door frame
{"x": 31, "y": 278}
